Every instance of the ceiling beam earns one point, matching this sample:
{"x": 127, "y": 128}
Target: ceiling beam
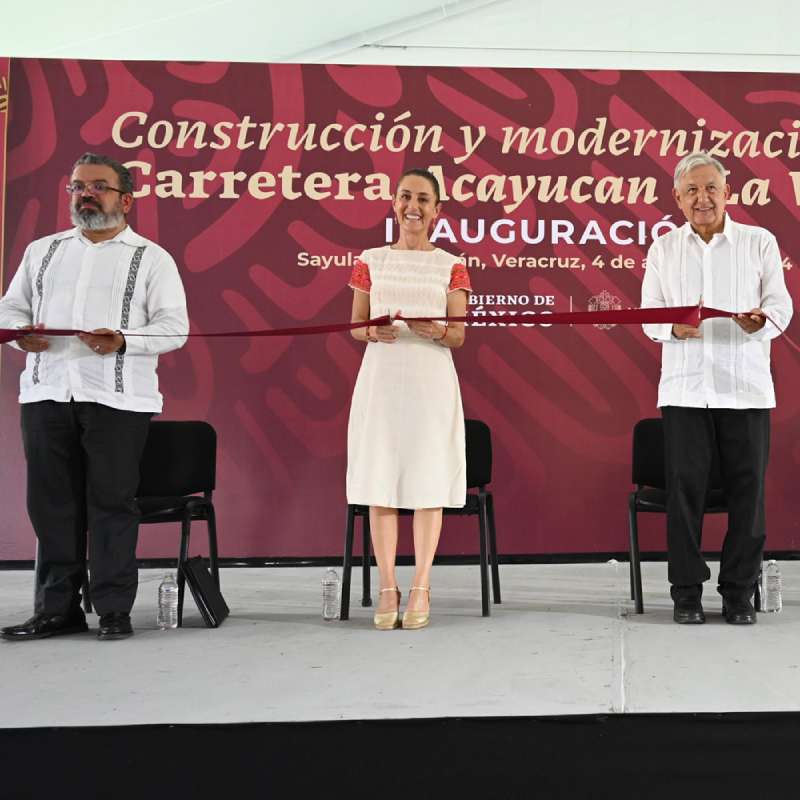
{"x": 373, "y": 36}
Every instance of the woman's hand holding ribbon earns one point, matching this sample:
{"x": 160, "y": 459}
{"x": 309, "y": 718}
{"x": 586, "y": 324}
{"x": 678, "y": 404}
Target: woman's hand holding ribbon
{"x": 426, "y": 329}
{"x": 387, "y": 334}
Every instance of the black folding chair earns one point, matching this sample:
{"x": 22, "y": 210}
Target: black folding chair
{"x": 178, "y": 477}
{"x": 479, "y": 503}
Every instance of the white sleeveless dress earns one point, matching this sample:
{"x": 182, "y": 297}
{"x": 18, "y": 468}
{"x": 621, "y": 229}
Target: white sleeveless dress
{"x": 405, "y": 439}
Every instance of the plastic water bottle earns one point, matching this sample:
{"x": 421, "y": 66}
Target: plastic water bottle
{"x": 167, "y": 603}
{"x": 772, "y": 587}
{"x": 330, "y": 595}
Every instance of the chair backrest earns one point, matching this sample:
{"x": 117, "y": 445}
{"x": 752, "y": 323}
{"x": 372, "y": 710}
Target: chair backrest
{"x": 479, "y": 453}
{"x": 647, "y": 463}
{"x": 179, "y": 458}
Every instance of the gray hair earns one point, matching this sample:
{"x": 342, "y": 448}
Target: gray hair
{"x": 697, "y": 159}
{"x": 123, "y": 173}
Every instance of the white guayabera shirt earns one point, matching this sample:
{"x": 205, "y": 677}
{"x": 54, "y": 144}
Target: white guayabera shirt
{"x": 739, "y": 269}
{"x": 127, "y": 283}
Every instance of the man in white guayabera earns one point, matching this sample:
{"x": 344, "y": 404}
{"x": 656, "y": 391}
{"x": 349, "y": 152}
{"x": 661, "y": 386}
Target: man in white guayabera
{"x": 716, "y": 388}
{"x": 87, "y": 400}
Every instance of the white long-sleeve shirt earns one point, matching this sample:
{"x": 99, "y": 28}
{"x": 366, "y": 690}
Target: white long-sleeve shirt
{"x": 127, "y": 283}
{"x": 738, "y": 270}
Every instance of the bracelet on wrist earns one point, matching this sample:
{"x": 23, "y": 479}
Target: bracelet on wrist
{"x": 444, "y": 333}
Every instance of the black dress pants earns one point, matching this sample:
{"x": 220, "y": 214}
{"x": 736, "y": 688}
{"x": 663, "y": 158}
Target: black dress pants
{"x": 741, "y": 438}
{"x": 83, "y": 472}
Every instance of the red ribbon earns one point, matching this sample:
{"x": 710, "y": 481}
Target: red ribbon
{"x": 13, "y": 334}
{"x": 680, "y": 315}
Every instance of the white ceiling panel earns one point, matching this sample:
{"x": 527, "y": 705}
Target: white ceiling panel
{"x": 566, "y": 33}
{"x": 740, "y": 26}
{"x": 224, "y": 30}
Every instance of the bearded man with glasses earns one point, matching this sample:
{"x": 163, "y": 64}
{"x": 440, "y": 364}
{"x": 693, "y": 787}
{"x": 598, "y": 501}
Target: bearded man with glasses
{"x": 87, "y": 401}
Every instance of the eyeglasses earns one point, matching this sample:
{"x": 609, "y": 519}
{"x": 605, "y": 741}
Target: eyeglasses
{"x": 93, "y": 187}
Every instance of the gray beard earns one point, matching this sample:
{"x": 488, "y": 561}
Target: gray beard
{"x": 90, "y": 220}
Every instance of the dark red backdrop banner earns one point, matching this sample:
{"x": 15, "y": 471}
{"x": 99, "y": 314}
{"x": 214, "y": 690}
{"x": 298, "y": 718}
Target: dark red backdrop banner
{"x": 265, "y": 181}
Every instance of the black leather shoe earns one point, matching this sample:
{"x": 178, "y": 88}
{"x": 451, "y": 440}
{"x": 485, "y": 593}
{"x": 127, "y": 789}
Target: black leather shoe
{"x": 42, "y": 625}
{"x": 116, "y": 625}
{"x": 688, "y": 611}
{"x": 739, "y": 611}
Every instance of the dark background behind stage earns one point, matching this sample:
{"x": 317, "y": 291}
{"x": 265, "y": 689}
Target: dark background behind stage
{"x": 561, "y": 401}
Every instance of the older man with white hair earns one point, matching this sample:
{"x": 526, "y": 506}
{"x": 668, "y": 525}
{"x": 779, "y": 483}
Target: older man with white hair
{"x": 716, "y": 388}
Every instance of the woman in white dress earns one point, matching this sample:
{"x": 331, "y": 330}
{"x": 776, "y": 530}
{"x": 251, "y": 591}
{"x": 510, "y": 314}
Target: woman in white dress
{"x": 405, "y": 441}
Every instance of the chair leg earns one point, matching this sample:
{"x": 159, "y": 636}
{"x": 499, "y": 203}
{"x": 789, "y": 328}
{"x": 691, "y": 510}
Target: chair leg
{"x": 635, "y": 562}
{"x": 630, "y": 577}
{"x": 213, "y": 556}
{"x": 347, "y": 564}
{"x": 482, "y": 525}
{"x": 87, "y": 595}
{"x": 493, "y": 548}
{"x": 186, "y": 526}
{"x": 366, "y": 585}
{"x": 757, "y": 592}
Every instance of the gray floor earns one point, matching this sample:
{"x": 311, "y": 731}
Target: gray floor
{"x": 564, "y": 641}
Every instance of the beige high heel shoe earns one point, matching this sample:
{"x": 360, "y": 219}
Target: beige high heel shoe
{"x": 413, "y": 620}
{"x": 388, "y": 620}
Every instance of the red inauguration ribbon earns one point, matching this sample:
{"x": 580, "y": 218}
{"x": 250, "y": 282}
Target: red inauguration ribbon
{"x": 685, "y": 315}
{"x": 11, "y": 335}
{"x": 682, "y": 315}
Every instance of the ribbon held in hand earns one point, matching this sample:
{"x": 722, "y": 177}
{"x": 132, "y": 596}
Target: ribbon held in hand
{"x": 681, "y": 315}
{"x": 13, "y": 334}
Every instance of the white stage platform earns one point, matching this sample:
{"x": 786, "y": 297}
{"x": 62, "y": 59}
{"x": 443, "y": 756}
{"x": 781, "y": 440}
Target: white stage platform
{"x": 565, "y": 641}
